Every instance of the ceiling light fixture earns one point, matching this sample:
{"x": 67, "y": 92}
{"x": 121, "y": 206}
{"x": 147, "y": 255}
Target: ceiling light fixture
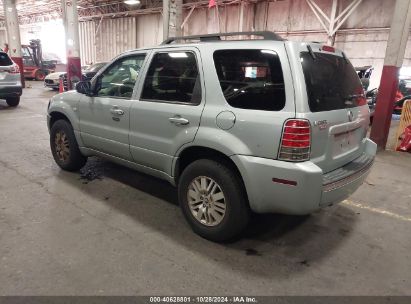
{"x": 132, "y": 2}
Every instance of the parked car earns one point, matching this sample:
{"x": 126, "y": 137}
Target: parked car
{"x": 252, "y": 125}
{"x": 372, "y": 95}
{"x": 10, "y": 80}
{"x": 53, "y": 80}
{"x": 398, "y": 105}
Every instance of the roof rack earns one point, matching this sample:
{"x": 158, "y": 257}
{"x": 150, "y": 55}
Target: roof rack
{"x": 266, "y": 35}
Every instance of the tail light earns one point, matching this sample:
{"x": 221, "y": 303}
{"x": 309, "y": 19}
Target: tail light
{"x": 15, "y": 69}
{"x": 295, "y": 141}
{"x": 327, "y": 48}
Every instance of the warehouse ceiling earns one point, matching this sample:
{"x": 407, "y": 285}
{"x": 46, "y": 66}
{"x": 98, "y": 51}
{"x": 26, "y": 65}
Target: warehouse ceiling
{"x": 32, "y": 11}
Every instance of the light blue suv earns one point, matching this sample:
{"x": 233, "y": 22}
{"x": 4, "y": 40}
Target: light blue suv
{"x": 262, "y": 125}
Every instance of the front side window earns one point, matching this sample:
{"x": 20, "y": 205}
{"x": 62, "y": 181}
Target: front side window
{"x": 251, "y": 79}
{"x": 120, "y": 78}
{"x": 173, "y": 77}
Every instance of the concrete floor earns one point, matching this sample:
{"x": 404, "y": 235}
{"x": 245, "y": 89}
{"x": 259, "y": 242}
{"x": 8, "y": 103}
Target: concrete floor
{"x": 112, "y": 231}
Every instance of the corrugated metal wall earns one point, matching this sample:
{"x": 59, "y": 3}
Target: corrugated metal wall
{"x": 101, "y": 41}
{"x": 105, "y": 40}
{"x": 87, "y": 34}
{"x": 116, "y": 36}
{"x": 149, "y": 30}
{"x": 363, "y": 36}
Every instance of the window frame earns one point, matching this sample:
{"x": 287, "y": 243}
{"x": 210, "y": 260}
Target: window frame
{"x": 173, "y": 50}
{"x": 286, "y": 80}
{"x": 99, "y": 75}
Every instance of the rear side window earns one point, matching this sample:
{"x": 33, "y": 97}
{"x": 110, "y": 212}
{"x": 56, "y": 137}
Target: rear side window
{"x": 251, "y": 79}
{"x": 5, "y": 60}
{"x": 173, "y": 77}
{"x": 332, "y": 83}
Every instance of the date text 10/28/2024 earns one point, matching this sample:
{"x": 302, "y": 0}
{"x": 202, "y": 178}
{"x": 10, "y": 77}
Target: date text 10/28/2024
{"x": 203, "y": 299}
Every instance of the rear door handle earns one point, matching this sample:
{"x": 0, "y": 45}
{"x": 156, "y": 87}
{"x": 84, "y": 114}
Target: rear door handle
{"x": 179, "y": 121}
{"x": 116, "y": 111}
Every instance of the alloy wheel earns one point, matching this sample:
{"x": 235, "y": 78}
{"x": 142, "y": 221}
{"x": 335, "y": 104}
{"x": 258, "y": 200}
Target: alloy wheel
{"x": 207, "y": 201}
{"x": 61, "y": 143}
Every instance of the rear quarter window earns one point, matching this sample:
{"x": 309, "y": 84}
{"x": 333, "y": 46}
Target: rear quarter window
{"x": 5, "y": 60}
{"x": 251, "y": 79}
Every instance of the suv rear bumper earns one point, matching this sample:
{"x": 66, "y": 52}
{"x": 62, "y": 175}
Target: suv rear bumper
{"x": 300, "y": 188}
{"x": 10, "y": 91}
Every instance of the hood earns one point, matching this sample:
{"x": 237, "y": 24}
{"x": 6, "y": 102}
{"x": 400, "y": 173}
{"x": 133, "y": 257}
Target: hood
{"x": 55, "y": 75}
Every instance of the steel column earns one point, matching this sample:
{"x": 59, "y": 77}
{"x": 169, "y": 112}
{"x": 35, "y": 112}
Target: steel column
{"x": 166, "y": 18}
{"x": 175, "y": 18}
{"x": 13, "y": 34}
{"x": 331, "y": 37}
{"x": 71, "y": 26}
{"x": 394, "y": 57}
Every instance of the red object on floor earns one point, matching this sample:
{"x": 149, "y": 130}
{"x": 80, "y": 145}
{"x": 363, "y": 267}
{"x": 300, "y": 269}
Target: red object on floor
{"x": 405, "y": 145}
{"x": 61, "y": 85}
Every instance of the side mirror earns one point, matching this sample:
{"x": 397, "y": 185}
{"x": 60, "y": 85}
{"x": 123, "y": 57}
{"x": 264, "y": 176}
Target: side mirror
{"x": 84, "y": 87}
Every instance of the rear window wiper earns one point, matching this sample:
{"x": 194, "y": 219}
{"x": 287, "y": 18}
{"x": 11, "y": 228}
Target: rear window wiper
{"x": 310, "y": 50}
{"x": 354, "y": 96}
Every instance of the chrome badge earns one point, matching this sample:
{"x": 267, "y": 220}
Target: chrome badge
{"x": 350, "y": 115}
{"x": 321, "y": 124}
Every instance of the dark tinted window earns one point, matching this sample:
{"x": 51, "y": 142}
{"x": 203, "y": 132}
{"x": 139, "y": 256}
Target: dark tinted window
{"x": 331, "y": 81}
{"x": 251, "y": 79}
{"x": 5, "y": 60}
{"x": 119, "y": 79}
{"x": 173, "y": 77}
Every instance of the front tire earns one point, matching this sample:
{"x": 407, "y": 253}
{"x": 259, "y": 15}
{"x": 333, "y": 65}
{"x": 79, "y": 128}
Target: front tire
{"x": 64, "y": 146}
{"x": 13, "y": 101}
{"x": 213, "y": 200}
{"x": 40, "y": 75}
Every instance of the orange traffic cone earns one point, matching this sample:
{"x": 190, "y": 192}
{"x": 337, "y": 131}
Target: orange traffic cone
{"x": 61, "y": 85}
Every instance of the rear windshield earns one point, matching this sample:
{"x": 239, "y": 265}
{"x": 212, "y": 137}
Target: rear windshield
{"x": 332, "y": 83}
{"x": 251, "y": 79}
{"x": 5, "y": 60}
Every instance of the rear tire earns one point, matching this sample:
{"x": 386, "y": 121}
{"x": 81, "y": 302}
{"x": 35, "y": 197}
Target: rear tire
{"x": 13, "y": 101}
{"x": 64, "y": 147}
{"x": 213, "y": 200}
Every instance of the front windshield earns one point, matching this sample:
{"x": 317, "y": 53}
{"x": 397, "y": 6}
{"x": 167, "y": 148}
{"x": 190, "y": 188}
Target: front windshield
{"x": 95, "y": 67}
